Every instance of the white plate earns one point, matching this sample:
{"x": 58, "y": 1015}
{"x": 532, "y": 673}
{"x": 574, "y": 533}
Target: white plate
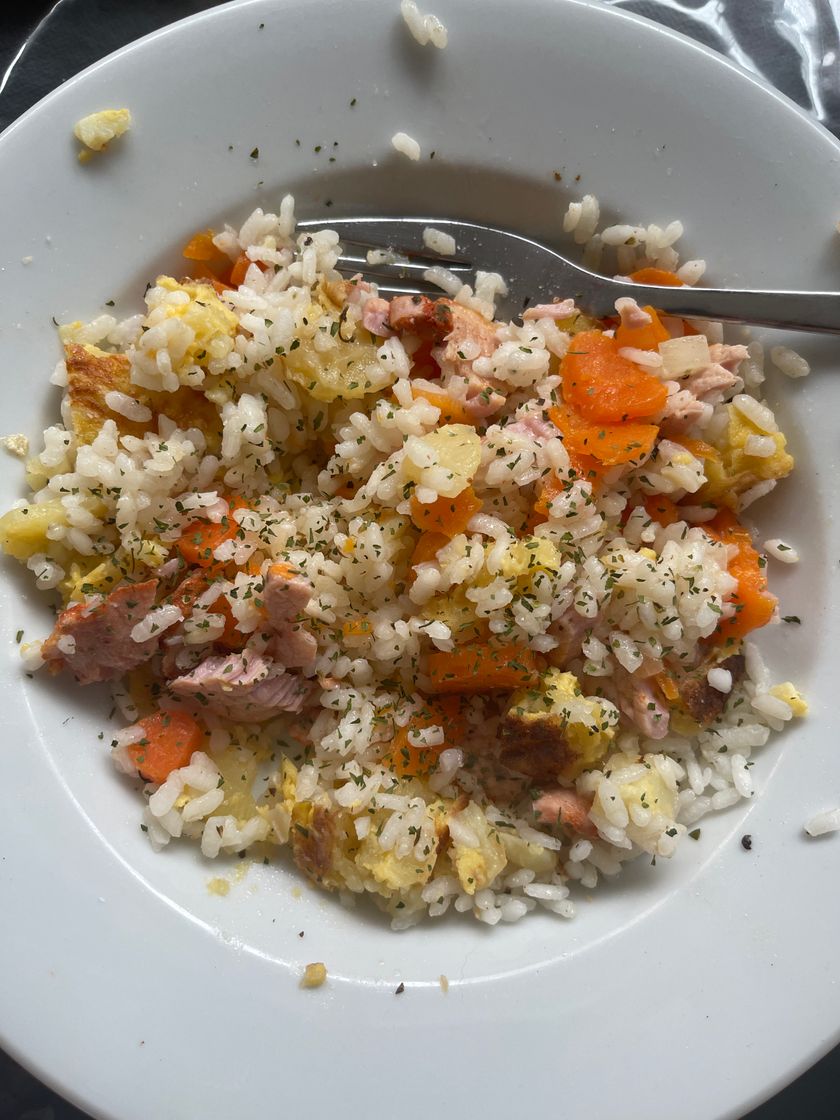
{"x": 695, "y": 988}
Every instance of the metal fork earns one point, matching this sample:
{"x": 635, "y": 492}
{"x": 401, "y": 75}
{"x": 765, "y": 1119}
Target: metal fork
{"x": 535, "y": 274}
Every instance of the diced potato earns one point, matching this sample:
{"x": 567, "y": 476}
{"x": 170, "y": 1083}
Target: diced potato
{"x": 521, "y": 853}
{"x": 458, "y": 613}
{"x": 454, "y": 452}
{"x": 528, "y": 556}
{"x": 23, "y": 532}
{"x": 650, "y": 792}
{"x": 335, "y": 369}
{"x": 681, "y": 355}
{"x": 476, "y": 868}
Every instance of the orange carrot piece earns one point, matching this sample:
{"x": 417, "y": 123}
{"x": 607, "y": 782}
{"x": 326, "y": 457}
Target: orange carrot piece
{"x": 754, "y": 604}
{"x": 610, "y": 444}
{"x": 481, "y": 667}
{"x": 409, "y": 761}
{"x": 667, "y": 686}
{"x": 448, "y": 516}
{"x": 427, "y": 547}
{"x": 662, "y": 509}
{"x": 603, "y": 387}
{"x": 231, "y": 637}
{"x": 698, "y": 448}
{"x": 660, "y": 276}
{"x": 356, "y": 628}
{"x": 169, "y": 741}
{"x": 237, "y": 273}
{"x": 200, "y": 538}
{"x": 348, "y": 488}
{"x": 643, "y": 338}
{"x": 452, "y": 411}
{"x": 200, "y": 247}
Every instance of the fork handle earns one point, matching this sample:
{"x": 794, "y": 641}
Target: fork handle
{"x": 797, "y": 311}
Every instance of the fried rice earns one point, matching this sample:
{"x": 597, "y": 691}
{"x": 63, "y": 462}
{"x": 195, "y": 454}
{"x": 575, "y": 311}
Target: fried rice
{"x": 453, "y": 610}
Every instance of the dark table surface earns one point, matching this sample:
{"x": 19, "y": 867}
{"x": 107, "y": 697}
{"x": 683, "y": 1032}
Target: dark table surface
{"x": 796, "y": 46}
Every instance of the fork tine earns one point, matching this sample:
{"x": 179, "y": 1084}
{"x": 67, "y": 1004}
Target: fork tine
{"x": 407, "y": 290}
{"x": 406, "y": 265}
{"x": 391, "y": 282}
{"x": 426, "y": 259}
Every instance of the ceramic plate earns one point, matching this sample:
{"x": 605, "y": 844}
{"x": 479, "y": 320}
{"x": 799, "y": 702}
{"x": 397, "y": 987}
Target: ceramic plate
{"x": 696, "y": 987}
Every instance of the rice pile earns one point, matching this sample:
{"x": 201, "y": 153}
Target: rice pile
{"x": 275, "y": 407}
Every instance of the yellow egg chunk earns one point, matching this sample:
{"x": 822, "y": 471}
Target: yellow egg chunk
{"x": 736, "y": 470}
{"x": 580, "y": 728}
{"x": 213, "y": 325}
{"x": 314, "y": 975}
{"x": 791, "y": 695}
{"x": 97, "y": 130}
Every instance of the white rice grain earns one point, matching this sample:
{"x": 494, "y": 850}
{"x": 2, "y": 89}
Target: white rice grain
{"x": 439, "y": 242}
{"x": 128, "y": 407}
{"x": 406, "y": 145}
{"x": 424, "y": 28}
{"x": 823, "y": 823}
{"x": 781, "y": 551}
{"x": 788, "y": 362}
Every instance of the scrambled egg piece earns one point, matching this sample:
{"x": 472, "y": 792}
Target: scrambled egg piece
{"x": 736, "y": 471}
{"x": 393, "y": 874}
{"x": 213, "y": 324}
{"x": 569, "y": 732}
{"x": 97, "y": 130}
{"x": 99, "y": 580}
{"x": 791, "y": 696}
{"x": 16, "y": 444}
{"x": 92, "y": 374}
{"x": 314, "y": 975}
{"x": 476, "y": 868}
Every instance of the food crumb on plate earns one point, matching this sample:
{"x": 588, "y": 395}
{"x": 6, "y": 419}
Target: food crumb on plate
{"x": 406, "y": 145}
{"x": 400, "y": 988}
{"x": 823, "y": 823}
{"x": 218, "y": 886}
{"x": 781, "y": 551}
{"x": 788, "y": 362}
{"x": 444, "y": 983}
{"x": 314, "y": 975}
{"x": 424, "y": 28}
{"x": 746, "y": 842}
{"x": 97, "y": 130}
{"x": 16, "y": 444}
